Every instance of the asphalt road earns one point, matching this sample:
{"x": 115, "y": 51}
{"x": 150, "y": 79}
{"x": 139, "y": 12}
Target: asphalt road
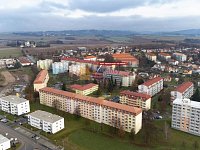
{"x": 27, "y": 143}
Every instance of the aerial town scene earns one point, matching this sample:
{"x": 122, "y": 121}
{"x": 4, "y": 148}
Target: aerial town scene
{"x": 100, "y": 75}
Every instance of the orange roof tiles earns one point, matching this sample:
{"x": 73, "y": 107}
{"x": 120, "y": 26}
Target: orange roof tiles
{"x": 183, "y": 87}
{"x": 152, "y": 81}
{"x": 135, "y": 94}
{"x": 82, "y": 87}
{"x": 40, "y": 77}
{"x": 122, "y": 73}
{"x": 125, "y": 57}
{"x": 97, "y": 101}
{"x": 164, "y": 54}
{"x": 151, "y": 54}
{"x": 89, "y": 57}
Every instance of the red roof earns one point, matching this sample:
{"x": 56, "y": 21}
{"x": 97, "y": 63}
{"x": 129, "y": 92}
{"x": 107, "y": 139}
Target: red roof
{"x": 89, "y": 57}
{"x": 125, "y": 57}
{"x": 82, "y": 87}
{"x": 151, "y": 54}
{"x": 135, "y": 94}
{"x": 41, "y": 77}
{"x": 183, "y": 87}
{"x": 24, "y": 60}
{"x": 152, "y": 81}
{"x": 97, "y": 101}
{"x": 164, "y": 54}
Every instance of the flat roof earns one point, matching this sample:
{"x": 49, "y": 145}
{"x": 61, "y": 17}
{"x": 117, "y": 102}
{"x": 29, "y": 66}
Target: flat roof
{"x": 46, "y": 116}
{"x": 3, "y": 139}
{"x": 14, "y": 99}
{"x": 187, "y": 102}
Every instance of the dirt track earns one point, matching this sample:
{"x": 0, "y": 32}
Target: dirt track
{"x": 9, "y": 78}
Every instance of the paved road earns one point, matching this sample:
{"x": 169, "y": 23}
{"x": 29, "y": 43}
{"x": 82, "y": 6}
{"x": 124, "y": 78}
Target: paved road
{"x": 27, "y": 143}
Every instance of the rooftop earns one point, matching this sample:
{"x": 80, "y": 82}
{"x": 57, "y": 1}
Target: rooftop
{"x": 3, "y": 139}
{"x": 83, "y": 87}
{"x": 151, "y": 54}
{"x": 152, "y": 81}
{"x": 97, "y": 101}
{"x": 135, "y": 94}
{"x": 40, "y": 77}
{"x": 46, "y": 116}
{"x": 14, "y": 99}
{"x": 187, "y": 102}
{"x": 183, "y": 87}
{"x": 89, "y": 57}
{"x": 123, "y": 73}
{"x": 164, "y": 54}
{"x": 125, "y": 57}
{"x": 24, "y": 60}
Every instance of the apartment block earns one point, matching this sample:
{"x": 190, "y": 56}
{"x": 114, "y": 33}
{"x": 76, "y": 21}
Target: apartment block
{"x": 60, "y": 67}
{"x": 135, "y": 99}
{"x": 85, "y": 89}
{"x": 41, "y": 80}
{"x": 44, "y": 64}
{"x": 4, "y": 143}
{"x": 14, "y": 105}
{"x": 164, "y": 56}
{"x": 123, "y": 78}
{"x": 185, "y": 90}
{"x": 180, "y": 57}
{"x": 77, "y": 69}
{"x": 46, "y": 121}
{"x": 152, "y": 86}
{"x": 99, "y": 110}
{"x": 186, "y": 116}
{"x": 151, "y": 56}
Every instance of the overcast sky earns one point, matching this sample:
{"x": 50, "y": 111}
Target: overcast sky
{"x": 135, "y": 15}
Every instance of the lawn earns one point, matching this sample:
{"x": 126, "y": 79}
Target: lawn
{"x": 10, "y": 52}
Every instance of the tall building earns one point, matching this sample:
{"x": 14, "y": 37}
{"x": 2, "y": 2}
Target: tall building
{"x": 99, "y": 110}
{"x": 186, "y": 116}
{"x": 135, "y": 99}
{"x": 185, "y": 90}
{"x": 85, "y": 89}
{"x": 4, "y": 143}
{"x": 44, "y": 64}
{"x": 60, "y": 67}
{"x": 123, "y": 78}
{"x": 14, "y": 105}
{"x": 41, "y": 80}
{"x": 77, "y": 69}
{"x": 46, "y": 121}
{"x": 152, "y": 86}
{"x": 180, "y": 57}
{"x": 151, "y": 56}
{"x": 164, "y": 56}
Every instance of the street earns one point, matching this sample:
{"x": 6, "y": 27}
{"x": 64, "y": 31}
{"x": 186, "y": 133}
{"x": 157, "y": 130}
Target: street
{"x": 27, "y": 143}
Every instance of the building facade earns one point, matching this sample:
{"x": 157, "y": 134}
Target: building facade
{"x": 185, "y": 90}
{"x": 180, "y": 57}
{"x": 152, "y": 86}
{"x": 164, "y": 56}
{"x": 85, "y": 89}
{"x": 99, "y": 110}
{"x": 14, "y": 105}
{"x": 122, "y": 78}
{"x": 44, "y": 64}
{"x": 4, "y": 143}
{"x": 41, "y": 80}
{"x": 135, "y": 99}
{"x": 151, "y": 56}
{"x": 185, "y": 116}
{"x": 46, "y": 121}
{"x": 60, "y": 67}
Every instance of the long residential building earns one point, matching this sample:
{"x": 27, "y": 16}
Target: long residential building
{"x": 46, "y": 121}
{"x": 151, "y": 56}
{"x": 14, "y": 105}
{"x": 85, "y": 89}
{"x": 123, "y": 78}
{"x": 41, "y": 80}
{"x": 4, "y": 143}
{"x": 185, "y": 116}
{"x": 185, "y": 90}
{"x": 135, "y": 99}
{"x": 99, "y": 110}
{"x": 164, "y": 56}
{"x": 44, "y": 64}
{"x": 180, "y": 57}
{"x": 152, "y": 86}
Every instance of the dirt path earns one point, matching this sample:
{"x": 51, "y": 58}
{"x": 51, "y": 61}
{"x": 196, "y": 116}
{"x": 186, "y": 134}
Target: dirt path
{"x": 9, "y": 78}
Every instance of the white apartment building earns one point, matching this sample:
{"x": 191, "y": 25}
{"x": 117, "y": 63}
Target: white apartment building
{"x": 186, "y": 116}
{"x": 180, "y": 57}
{"x": 4, "y": 143}
{"x": 151, "y": 56}
{"x": 152, "y": 86}
{"x": 46, "y": 121}
{"x": 185, "y": 90}
{"x": 14, "y": 105}
{"x": 135, "y": 99}
{"x": 164, "y": 56}
{"x": 96, "y": 109}
{"x": 44, "y": 64}
{"x": 77, "y": 69}
{"x": 60, "y": 67}
{"x": 41, "y": 80}
{"x": 120, "y": 77}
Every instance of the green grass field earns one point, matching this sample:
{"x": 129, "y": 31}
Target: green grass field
{"x": 10, "y": 52}
{"x": 83, "y": 134}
